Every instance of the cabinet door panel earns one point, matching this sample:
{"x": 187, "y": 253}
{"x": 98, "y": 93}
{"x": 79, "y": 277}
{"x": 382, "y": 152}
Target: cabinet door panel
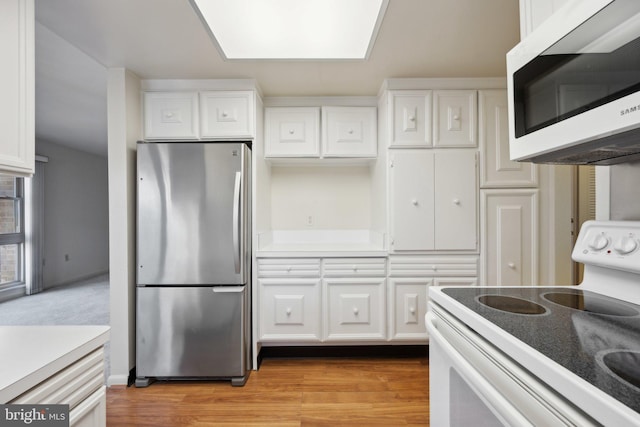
{"x": 411, "y": 118}
{"x": 454, "y": 118}
{"x": 408, "y": 304}
{"x": 412, "y": 210}
{"x": 455, "y": 200}
{"x": 292, "y": 132}
{"x": 355, "y": 309}
{"x": 496, "y": 167}
{"x": 289, "y": 309}
{"x": 349, "y": 132}
{"x": 227, "y": 114}
{"x": 509, "y": 237}
{"x": 171, "y": 115}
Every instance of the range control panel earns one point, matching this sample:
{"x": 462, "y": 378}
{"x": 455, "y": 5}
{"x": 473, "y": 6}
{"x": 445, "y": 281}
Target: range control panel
{"x": 612, "y": 244}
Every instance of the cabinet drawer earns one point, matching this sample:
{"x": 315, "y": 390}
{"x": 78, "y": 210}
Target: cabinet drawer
{"x": 227, "y": 114}
{"x": 354, "y": 267}
{"x": 421, "y": 266}
{"x": 171, "y": 115}
{"x": 290, "y": 309}
{"x": 290, "y": 267}
{"x": 71, "y": 385}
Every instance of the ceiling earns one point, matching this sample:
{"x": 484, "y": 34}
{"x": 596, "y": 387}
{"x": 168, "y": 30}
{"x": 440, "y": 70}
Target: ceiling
{"x": 76, "y": 41}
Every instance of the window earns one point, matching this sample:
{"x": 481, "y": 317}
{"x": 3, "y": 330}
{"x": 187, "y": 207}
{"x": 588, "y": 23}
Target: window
{"x": 11, "y": 231}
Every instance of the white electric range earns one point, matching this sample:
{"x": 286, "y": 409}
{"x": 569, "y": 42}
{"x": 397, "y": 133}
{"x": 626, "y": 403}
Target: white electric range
{"x": 543, "y": 356}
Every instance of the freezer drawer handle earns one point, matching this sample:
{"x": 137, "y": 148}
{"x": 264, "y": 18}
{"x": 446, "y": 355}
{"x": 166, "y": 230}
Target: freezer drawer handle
{"x": 236, "y": 222}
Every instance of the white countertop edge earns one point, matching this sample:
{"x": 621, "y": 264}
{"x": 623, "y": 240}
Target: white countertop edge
{"x": 73, "y": 343}
{"x": 321, "y": 253}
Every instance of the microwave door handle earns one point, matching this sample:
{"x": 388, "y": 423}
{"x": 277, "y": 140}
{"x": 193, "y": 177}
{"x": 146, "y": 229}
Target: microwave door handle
{"x": 236, "y": 222}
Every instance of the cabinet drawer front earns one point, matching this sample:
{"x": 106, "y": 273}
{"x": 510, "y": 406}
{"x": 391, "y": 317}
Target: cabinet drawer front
{"x": 227, "y": 114}
{"x": 71, "y": 385}
{"x": 354, "y": 267}
{"x": 293, "y": 267}
{"x": 454, "y": 118}
{"x": 421, "y": 266}
{"x": 170, "y": 115}
{"x": 355, "y": 309}
{"x": 290, "y": 309}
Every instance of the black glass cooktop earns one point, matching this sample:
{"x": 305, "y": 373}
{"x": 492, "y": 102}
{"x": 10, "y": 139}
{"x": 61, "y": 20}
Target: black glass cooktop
{"x": 594, "y": 336}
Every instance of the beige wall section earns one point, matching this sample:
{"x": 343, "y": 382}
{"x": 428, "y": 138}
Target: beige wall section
{"x": 125, "y": 128}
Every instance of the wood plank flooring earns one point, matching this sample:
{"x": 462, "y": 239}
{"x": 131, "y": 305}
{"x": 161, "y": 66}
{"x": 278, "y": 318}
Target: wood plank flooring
{"x": 286, "y": 392}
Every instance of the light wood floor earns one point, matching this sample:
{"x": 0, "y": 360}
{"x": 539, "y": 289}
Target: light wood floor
{"x": 286, "y": 392}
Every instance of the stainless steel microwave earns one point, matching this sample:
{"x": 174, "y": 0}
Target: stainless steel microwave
{"x": 574, "y": 86}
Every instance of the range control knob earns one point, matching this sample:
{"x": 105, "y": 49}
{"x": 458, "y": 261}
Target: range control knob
{"x": 599, "y": 242}
{"x": 625, "y": 245}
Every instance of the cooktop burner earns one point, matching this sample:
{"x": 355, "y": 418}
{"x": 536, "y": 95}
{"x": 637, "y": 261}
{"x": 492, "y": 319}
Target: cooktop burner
{"x": 590, "y": 303}
{"x": 511, "y": 304}
{"x": 594, "y": 336}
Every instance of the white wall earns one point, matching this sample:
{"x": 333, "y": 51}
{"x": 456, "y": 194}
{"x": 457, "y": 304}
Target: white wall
{"x": 76, "y": 214}
{"x": 125, "y": 128}
{"x": 624, "y": 202}
{"x": 334, "y": 197}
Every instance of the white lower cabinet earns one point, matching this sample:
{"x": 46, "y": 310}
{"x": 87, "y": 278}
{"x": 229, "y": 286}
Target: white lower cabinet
{"x": 290, "y": 309}
{"x": 355, "y": 309}
{"x": 410, "y": 277}
{"x": 509, "y": 234}
{"x": 91, "y": 412}
{"x": 408, "y": 303}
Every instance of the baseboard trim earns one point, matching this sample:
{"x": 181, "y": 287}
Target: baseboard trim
{"x": 78, "y": 279}
{"x": 117, "y": 380}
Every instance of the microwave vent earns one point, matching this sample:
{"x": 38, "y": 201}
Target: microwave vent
{"x": 619, "y": 148}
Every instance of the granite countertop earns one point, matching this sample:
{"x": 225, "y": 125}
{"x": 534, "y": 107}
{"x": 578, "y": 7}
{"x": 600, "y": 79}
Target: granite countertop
{"x": 31, "y": 354}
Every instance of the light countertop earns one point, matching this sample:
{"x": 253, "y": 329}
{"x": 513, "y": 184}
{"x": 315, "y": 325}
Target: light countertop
{"x": 31, "y": 354}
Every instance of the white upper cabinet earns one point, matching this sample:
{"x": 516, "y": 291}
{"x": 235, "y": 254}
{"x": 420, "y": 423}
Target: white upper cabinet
{"x": 17, "y": 86}
{"x": 171, "y": 115}
{"x": 454, "y": 118}
{"x": 227, "y": 114}
{"x": 292, "y": 132}
{"x": 349, "y": 132}
{"x": 496, "y": 167}
{"x": 535, "y": 12}
{"x": 345, "y": 132}
{"x": 433, "y": 200}
{"x": 410, "y": 112}
{"x": 205, "y": 115}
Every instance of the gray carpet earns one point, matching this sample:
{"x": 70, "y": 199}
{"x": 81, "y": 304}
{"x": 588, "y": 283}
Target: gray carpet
{"x": 82, "y": 303}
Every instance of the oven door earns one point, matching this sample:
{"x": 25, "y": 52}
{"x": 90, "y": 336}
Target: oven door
{"x": 473, "y": 383}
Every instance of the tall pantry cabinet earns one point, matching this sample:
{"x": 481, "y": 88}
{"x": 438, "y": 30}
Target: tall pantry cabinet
{"x": 508, "y": 202}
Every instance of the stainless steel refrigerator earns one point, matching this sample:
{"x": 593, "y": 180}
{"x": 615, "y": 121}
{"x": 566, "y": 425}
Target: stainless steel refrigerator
{"x": 193, "y": 305}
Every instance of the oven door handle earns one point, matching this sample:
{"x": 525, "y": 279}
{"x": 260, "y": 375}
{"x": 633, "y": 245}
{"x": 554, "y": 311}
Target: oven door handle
{"x": 500, "y": 406}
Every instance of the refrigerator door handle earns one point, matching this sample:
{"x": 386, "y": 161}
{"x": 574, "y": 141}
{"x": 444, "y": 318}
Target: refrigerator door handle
{"x": 236, "y": 221}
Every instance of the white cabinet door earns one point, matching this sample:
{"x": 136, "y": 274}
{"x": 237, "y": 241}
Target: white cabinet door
{"x": 456, "y": 203}
{"x": 355, "y": 309}
{"x": 170, "y": 115}
{"x": 408, "y": 305}
{"x": 411, "y": 200}
{"x": 349, "y": 132}
{"x": 535, "y": 12}
{"x": 292, "y": 132}
{"x": 455, "y": 118}
{"x": 17, "y": 88}
{"x": 509, "y": 235}
{"x": 227, "y": 114}
{"x": 289, "y": 310}
{"x": 496, "y": 167}
{"x": 410, "y": 112}
{"x": 92, "y": 412}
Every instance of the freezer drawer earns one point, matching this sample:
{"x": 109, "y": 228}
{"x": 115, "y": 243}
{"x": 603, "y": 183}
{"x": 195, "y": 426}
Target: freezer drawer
{"x": 192, "y": 332}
